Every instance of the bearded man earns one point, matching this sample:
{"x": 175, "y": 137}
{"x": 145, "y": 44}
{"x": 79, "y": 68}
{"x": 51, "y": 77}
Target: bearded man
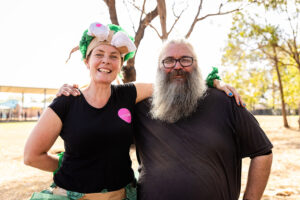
{"x": 191, "y": 140}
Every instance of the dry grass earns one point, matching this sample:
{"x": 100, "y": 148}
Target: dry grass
{"x": 18, "y": 182}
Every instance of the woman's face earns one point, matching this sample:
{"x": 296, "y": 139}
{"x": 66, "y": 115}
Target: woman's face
{"x": 104, "y": 64}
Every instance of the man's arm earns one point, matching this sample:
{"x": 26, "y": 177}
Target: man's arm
{"x": 258, "y": 175}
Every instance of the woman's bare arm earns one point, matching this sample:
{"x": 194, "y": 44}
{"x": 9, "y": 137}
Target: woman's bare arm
{"x": 143, "y": 90}
{"x": 41, "y": 140}
{"x": 230, "y": 91}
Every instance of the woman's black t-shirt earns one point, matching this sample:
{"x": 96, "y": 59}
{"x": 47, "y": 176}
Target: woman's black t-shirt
{"x": 96, "y": 141}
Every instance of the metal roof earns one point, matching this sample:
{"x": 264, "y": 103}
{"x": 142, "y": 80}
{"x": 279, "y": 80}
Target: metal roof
{"x": 33, "y": 90}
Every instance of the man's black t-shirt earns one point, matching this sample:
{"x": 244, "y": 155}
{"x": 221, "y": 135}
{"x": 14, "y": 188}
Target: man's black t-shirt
{"x": 96, "y": 141}
{"x": 198, "y": 157}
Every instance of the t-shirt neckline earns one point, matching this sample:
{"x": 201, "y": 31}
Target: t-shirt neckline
{"x": 89, "y": 105}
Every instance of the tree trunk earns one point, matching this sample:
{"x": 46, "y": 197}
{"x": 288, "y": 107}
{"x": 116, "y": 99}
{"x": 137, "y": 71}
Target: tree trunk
{"x": 128, "y": 71}
{"x": 142, "y": 26}
{"x": 111, "y": 4}
{"x": 162, "y": 12}
{"x": 299, "y": 114}
{"x": 285, "y": 122}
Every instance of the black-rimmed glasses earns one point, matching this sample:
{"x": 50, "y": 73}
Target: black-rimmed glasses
{"x": 170, "y": 62}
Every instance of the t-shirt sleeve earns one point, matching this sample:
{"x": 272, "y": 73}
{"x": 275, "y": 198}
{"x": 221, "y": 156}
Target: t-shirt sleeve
{"x": 252, "y": 139}
{"x": 128, "y": 92}
{"x": 60, "y": 106}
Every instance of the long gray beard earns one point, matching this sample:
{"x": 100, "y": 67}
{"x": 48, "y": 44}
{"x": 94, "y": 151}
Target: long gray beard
{"x": 175, "y": 100}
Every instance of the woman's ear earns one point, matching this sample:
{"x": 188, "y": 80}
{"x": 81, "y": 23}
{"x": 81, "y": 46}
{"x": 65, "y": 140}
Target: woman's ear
{"x": 122, "y": 62}
{"x": 86, "y": 62}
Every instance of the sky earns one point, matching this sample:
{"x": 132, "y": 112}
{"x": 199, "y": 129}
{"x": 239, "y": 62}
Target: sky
{"x": 37, "y": 35}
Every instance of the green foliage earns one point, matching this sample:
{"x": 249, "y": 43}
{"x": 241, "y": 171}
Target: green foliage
{"x": 268, "y": 4}
{"x": 253, "y": 42}
{"x": 251, "y": 84}
{"x": 290, "y": 77}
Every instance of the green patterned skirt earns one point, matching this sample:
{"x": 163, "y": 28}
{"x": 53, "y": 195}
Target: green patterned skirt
{"x": 130, "y": 190}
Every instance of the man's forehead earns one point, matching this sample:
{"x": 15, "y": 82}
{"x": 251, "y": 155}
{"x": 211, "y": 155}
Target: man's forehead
{"x": 178, "y": 50}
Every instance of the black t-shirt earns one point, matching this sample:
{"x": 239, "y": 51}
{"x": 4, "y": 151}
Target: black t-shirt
{"x": 96, "y": 141}
{"x": 198, "y": 157}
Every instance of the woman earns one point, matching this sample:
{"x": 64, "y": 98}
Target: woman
{"x": 95, "y": 126}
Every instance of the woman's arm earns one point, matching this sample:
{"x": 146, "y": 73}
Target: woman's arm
{"x": 229, "y": 90}
{"x": 143, "y": 90}
{"x": 41, "y": 140}
{"x": 213, "y": 80}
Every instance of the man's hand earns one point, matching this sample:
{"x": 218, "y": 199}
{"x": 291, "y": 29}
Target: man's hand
{"x": 66, "y": 90}
{"x": 230, "y": 91}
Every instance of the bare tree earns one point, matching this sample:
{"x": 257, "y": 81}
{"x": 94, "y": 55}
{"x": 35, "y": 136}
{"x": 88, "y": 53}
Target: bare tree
{"x": 162, "y": 12}
{"x": 129, "y": 73}
{"x": 197, "y": 18}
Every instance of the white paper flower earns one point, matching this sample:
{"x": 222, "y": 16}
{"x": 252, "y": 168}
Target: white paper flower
{"x": 120, "y": 39}
{"x": 98, "y": 30}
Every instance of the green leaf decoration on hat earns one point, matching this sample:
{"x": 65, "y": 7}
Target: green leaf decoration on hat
{"x": 84, "y": 43}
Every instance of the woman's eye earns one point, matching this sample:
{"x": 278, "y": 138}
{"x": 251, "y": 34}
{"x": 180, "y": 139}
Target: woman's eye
{"x": 99, "y": 55}
{"x": 113, "y": 57}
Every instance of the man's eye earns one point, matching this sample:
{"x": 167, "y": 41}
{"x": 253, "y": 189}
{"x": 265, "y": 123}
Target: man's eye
{"x": 99, "y": 55}
{"x": 185, "y": 60}
{"x": 169, "y": 61}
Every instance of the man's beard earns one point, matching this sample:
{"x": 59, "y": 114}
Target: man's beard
{"x": 173, "y": 100}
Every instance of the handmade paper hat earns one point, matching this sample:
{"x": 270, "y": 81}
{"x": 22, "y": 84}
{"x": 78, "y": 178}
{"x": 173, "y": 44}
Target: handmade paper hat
{"x": 111, "y": 34}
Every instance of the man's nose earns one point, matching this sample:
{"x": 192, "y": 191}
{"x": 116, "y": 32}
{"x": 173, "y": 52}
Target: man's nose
{"x": 177, "y": 65}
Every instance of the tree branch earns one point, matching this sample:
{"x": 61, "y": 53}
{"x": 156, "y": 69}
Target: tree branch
{"x": 218, "y": 13}
{"x": 133, "y": 27}
{"x": 195, "y": 20}
{"x": 111, "y": 4}
{"x": 177, "y": 18}
{"x": 145, "y": 22}
{"x": 162, "y": 12}
{"x": 143, "y": 10}
{"x": 156, "y": 31}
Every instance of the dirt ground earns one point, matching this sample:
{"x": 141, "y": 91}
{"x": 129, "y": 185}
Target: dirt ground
{"x": 18, "y": 182}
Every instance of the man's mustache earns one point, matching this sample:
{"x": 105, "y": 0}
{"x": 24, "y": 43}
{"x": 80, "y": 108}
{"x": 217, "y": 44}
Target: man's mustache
{"x": 178, "y": 72}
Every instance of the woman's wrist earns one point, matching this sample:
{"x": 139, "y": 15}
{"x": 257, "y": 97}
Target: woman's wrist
{"x": 60, "y": 158}
{"x": 213, "y": 75}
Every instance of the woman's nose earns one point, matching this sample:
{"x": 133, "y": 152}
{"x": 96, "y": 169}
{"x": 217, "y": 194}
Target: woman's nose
{"x": 105, "y": 59}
